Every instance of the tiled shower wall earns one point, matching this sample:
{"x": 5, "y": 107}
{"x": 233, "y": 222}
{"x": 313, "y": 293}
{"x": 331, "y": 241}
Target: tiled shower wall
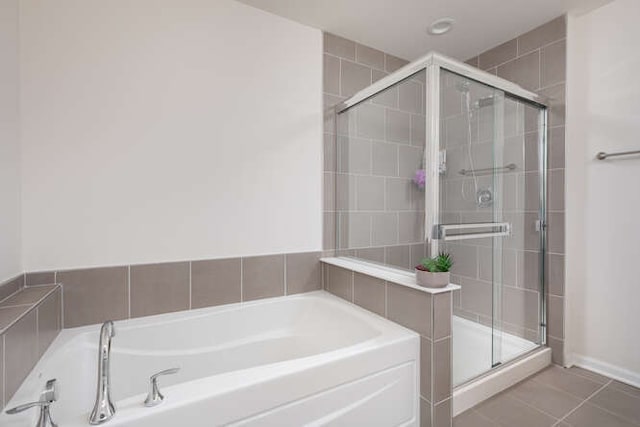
{"x": 379, "y": 147}
{"x": 536, "y": 60}
{"x": 468, "y": 140}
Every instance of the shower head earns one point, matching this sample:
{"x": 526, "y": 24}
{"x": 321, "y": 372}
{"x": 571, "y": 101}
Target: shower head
{"x": 463, "y": 86}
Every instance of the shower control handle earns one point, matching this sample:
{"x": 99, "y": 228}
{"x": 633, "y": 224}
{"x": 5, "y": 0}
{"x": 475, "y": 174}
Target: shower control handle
{"x": 155, "y": 397}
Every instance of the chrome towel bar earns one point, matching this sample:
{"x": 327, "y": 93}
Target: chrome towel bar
{"x": 602, "y": 155}
{"x": 495, "y": 229}
{"x": 471, "y": 172}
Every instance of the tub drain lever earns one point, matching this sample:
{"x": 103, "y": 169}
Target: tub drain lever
{"x": 155, "y": 397}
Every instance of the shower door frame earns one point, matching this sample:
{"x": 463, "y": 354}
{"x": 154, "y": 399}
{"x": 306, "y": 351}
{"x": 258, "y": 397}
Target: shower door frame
{"x": 433, "y": 63}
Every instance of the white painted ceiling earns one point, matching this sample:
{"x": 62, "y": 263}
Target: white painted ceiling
{"x": 399, "y": 26}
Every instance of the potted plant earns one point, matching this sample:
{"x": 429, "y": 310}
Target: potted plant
{"x": 434, "y": 272}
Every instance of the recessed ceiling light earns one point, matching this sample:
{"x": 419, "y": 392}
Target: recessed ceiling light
{"x": 440, "y": 26}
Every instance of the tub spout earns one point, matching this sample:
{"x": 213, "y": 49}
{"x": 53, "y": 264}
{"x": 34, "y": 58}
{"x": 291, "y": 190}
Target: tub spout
{"x": 104, "y": 409}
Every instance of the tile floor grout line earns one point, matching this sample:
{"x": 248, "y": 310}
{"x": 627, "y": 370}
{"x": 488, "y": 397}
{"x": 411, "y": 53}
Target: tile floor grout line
{"x": 583, "y": 402}
{"x": 517, "y": 399}
{"x": 609, "y": 411}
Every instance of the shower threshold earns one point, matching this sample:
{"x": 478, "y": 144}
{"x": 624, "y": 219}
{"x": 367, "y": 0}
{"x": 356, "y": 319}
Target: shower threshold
{"x": 473, "y": 379}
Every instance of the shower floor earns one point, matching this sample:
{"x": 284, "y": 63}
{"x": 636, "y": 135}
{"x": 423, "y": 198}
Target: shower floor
{"x": 472, "y": 349}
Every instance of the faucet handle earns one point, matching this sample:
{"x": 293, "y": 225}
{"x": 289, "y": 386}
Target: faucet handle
{"x": 155, "y": 397}
{"x": 48, "y": 396}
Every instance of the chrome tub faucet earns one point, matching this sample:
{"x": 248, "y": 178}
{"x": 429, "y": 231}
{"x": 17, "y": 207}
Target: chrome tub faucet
{"x": 104, "y": 409}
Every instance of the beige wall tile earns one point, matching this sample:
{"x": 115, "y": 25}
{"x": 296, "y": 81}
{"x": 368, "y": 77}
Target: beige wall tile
{"x": 521, "y": 307}
{"x": 498, "y": 55}
{"x": 398, "y": 126}
{"x": 410, "y": 308}
{"x": 392, "y": 63}
{"x": 339, "y": 281}
{"x": 331, "y": 74}
{"x": 409, "y": 160}
{"x": 384, "y": 228}
{"x": 557, "y": 103}
{"x": 40, "y": 278}
{"x": 370, "y": 57}
{"x": 370, "y": 121}
{"x": 94, "y": 295}
{"x": 425, "y": 368}
{"x": 442, "y": 307}
{"x": 389, "y": 97}
{"x": 476, "y": 296}
{"x": 215, "y": 282}
{"x": 425, "y": 413}
{"x": 355, "y": 230}
{"x": 355, "y": 155}
{"x": 328, "y": 230}
{"x": 556, "y": 190}
{"x": 159, "y": 288}
{"x": 399, "y": 256}
{"x": 555, "y": 319}
{"x": 385, "y": 159}
{"x": 21, "y": 352}
{"x": 418, "y": 126}
{"x": 329, "y": 153}
{"x": 524, "y": 70}
{"x": 371, "y": 254}
{"x": 49, "y": 320}
{"x": 369, "y": 293}
{"x": 473, "y": 61}
{"x": 442, "y": 414}
{"x": 11, "y": 286}
{"x": 553, "y": 63}
{"x": 556, "y": 148}
{"x": 353, "y": 77}
{"x": 410, "y": 227}
{"x": 411, "y": 96}
{"x": 262, "y": 277}
{"x": 27, "y": 296}
{"x": 551, "y": 31}
{"x": 370, "y": 193}
{"x": 304, "y": 272}
{"x": 338, "y": 46}
{"x": 442, "y": 369}
{"x": 398, "y": 194}
{"x": 557, "y": 350}
{"x": 555, "y": 274}
{"x": 9, "y": 314}
{"x": 556, "y": 232}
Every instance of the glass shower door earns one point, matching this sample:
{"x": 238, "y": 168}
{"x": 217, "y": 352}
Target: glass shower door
{"x": 482, "y": 168}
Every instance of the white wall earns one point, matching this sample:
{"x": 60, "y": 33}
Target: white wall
{"x": 603, "y": 197}
{"x": 10, "y": 260}
{"x": 158, "y": 130}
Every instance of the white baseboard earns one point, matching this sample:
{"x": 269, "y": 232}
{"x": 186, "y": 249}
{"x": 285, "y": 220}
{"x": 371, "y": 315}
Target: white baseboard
{"x": 604, "y": 368}
{"x": 469, "y": 395}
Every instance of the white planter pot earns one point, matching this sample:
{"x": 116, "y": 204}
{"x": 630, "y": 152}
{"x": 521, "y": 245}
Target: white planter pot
{"x": 432, "y": 280}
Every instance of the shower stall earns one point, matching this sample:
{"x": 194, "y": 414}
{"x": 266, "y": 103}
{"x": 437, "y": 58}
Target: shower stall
{"x": 442, "y": 157}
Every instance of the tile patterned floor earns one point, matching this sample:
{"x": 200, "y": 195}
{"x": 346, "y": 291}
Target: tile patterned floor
{"x": 558, "y": 397}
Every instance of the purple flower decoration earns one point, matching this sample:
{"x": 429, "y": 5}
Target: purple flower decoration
{"x": 420, "y": 178}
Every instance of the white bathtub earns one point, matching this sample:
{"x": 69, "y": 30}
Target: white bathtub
{"x": 311, "y": 359}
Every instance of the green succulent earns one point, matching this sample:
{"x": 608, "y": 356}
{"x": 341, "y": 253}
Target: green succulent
{"x": 439, "y": 264}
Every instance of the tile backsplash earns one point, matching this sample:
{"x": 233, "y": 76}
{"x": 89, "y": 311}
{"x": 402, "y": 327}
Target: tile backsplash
{"x": 30, "y": 319}
{"x": 94, "y": 295}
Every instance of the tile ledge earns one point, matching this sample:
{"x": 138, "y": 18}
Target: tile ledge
{"x": 389, "y": 274}
{"x": 27, "y": 311}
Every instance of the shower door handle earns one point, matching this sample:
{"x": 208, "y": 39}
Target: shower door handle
{"x": 480, "y": 230}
